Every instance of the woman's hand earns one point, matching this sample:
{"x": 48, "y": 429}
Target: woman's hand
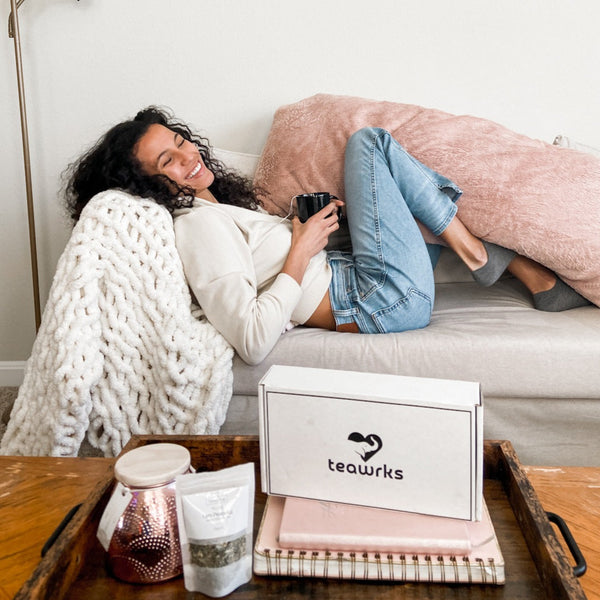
{"x": 310, "y": 238}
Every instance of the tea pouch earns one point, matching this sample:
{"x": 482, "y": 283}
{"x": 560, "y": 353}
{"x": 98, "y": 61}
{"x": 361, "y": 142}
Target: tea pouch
{"x": 215, "y": 512}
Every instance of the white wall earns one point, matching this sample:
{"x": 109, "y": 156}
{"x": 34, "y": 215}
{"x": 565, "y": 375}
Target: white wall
{"x": 226, "y": 65}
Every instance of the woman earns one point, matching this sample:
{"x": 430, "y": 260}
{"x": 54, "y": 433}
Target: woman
{"x": 254, "y": 274}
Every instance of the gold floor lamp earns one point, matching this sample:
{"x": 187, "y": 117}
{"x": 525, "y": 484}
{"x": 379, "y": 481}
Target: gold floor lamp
{"x": 13, "y": 32}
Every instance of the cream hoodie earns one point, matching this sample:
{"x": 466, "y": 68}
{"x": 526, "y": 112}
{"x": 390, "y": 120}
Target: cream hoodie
{"x": 232, "y": 258}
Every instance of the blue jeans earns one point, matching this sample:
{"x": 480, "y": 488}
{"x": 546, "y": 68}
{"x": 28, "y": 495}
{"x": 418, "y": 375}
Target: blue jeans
{"x": 386, "y": 283}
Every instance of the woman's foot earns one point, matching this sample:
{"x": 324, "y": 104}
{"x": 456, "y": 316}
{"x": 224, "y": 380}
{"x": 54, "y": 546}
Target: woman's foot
{"x": 558, "y": 298}
{"x": 498, "y": 259}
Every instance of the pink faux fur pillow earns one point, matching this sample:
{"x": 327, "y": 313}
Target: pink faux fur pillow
{"x": 540, "y": 200}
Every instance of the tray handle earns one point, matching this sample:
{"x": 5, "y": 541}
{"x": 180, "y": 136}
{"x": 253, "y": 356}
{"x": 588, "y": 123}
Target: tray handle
{"x": 50, "y": 541}
{"x": 580, "y": 564}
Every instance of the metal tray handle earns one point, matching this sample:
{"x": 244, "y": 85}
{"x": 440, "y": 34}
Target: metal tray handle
{"x": 580, "y": 564}
{"x": 59, "y": 529}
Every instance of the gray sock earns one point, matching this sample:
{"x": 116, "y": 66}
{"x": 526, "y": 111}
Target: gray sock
{"x": 558, "y": 298}
{"x": 498, "y": 259}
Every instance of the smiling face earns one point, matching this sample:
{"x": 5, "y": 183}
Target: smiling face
{"x": 162, "y": 151}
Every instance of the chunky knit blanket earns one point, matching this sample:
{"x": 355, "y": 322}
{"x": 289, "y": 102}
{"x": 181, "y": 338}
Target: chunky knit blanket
{"x": 121, "y": 349}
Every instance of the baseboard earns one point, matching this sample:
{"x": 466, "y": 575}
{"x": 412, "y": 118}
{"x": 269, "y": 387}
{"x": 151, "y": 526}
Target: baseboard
{"x": 11, "y": 373}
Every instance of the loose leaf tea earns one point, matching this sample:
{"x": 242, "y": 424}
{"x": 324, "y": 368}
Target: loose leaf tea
{"x": 218, "y": 555}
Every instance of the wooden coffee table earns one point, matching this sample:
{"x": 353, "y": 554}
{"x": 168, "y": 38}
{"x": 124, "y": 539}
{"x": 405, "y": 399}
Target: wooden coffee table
{"x": 35, "y": 496}
{"x": 36, "y": 493}
{"x": 574, "y": 494}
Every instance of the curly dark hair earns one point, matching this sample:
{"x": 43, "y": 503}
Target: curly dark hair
{"x": 111, "y": 164}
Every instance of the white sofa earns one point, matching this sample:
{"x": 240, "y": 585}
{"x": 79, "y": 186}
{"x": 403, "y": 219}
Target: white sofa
{"x": 539, "y": 372}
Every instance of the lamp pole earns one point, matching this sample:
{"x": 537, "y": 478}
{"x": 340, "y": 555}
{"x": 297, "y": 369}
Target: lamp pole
{"x": 13, "y": 32}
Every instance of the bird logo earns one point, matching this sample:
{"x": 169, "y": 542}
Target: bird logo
{"x": 368, "y": 446}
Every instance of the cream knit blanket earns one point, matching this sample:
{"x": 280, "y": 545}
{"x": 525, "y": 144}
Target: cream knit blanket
{"x": 121, "y": 349}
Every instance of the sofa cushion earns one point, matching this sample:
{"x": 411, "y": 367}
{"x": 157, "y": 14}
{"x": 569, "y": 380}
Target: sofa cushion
{"x": 490, "y": 335}
{"x": 539, "y": 199}
{"x": 567, "y": 142}
{"x": 242, "y": 162}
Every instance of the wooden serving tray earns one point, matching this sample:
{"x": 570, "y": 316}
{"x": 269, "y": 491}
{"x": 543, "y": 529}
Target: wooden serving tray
{"x": 536, "y": 566}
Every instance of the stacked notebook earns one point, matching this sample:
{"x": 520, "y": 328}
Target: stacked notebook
{"x": 311, "y": 538}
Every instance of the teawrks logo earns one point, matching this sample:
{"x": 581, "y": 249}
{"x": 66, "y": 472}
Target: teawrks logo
{"x": 368, "y": 446}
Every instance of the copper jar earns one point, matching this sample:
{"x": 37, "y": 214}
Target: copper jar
{"x": 139, "y": 525}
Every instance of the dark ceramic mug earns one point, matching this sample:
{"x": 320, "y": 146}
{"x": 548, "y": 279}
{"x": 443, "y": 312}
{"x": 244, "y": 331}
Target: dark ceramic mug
{"x": 309, "y": 204}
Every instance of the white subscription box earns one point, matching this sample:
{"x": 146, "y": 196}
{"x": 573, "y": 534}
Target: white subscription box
{"x": 387, "y": 441}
